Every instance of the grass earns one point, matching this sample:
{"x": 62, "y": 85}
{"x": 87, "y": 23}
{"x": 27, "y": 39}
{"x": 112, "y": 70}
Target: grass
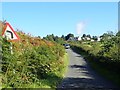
{"x": 0, "y": 81}
{"x": 65, "y": 64}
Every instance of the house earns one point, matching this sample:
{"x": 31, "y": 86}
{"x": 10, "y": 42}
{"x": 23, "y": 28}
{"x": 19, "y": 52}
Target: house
{"x": 83, "y": 38}
{"x": 79, "y": 38}
{"x": 74, "y": 39}
{"x": 71, "y": 39}
{"x": 99, "y": 39}
{"x": 92, "y": 40}
{"x": 87, "y": 38}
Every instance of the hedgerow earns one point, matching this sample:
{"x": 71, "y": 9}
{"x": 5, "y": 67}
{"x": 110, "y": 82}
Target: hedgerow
{"x": 103, "y": 56}
{"x": 33, "y": 60}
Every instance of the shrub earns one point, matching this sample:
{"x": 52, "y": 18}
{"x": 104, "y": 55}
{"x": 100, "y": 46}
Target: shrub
{"x": 30, "y": 62}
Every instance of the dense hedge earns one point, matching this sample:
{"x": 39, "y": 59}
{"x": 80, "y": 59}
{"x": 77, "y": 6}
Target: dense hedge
{"x": 105, "y": 62}
{"x": 32, "y": 61}
{"x": 103, "y": 57}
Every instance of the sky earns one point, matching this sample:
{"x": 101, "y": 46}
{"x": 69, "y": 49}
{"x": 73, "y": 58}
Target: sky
{"x": 61, "y": 18}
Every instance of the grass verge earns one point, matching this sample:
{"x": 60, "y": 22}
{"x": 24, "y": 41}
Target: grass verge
{"x": 65, "y": 64}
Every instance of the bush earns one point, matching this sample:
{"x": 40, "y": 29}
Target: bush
{"x": 30, "y": 62}
{"x": 104, "y": 60}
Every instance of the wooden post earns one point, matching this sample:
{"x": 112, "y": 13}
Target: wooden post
{"x": 11, "y": 49}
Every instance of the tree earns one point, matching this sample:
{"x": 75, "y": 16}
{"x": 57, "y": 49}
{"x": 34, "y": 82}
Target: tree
{"x": 68, "y": 36}
{"x": 89, "y": 36}
{"x": 84, "y": 35}
{"x": 95, "y": 38}
{"x": 39, "y": 37}
{"x": 118, "y": 33}
{"x": 49, "y": 37}
{"x": 110, "y": 33}
{"x": 63, "y": 37}
{"x": 104, "y": 37}
{"x": 54, "y": 39}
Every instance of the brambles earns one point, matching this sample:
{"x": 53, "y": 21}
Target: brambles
{"x": 33, "y": 60}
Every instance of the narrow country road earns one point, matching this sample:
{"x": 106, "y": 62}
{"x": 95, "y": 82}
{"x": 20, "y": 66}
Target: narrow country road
{"x": 80, "y": 75}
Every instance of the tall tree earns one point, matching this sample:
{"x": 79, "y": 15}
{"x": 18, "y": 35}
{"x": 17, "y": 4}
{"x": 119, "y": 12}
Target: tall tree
{"x": 63, "y": 37}
{"x": 95, "y": 38}
{"x": 68, "y": 36}
{"x": 89, "y": 36}
{"x": 84, "y": 35}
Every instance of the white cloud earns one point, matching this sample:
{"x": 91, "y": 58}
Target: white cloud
{"x": 80, "y": 27}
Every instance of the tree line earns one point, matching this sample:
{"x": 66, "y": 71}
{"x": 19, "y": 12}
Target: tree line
{"x": 84, "y": 37}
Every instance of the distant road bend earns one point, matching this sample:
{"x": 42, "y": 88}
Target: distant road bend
{"x": 81, "y": 76}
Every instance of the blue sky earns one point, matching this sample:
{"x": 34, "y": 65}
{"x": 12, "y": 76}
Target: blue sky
{"x": 61, "y": 18}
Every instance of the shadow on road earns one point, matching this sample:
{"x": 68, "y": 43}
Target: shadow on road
{"x": 84, "y": 83}
{"x": 81, "y": 77}
{"x": 71, "y": 83}
{"x": 78, "y": 56}
{"x": 78, "y": 66}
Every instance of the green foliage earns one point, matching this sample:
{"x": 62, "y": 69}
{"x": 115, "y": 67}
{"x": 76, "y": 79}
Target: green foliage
{"x": 31, "y": 66}
{"x": 118, "y": 33}
{"x": 95, "y": 38}
{"x": 68, "y": 36}
{"x": 53, "y": 38}
{"x": 103, "y": 56}
{"x": 84, "y": 37}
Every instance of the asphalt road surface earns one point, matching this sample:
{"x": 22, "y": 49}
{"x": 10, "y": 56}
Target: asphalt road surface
{"x": 81, "y": 77}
